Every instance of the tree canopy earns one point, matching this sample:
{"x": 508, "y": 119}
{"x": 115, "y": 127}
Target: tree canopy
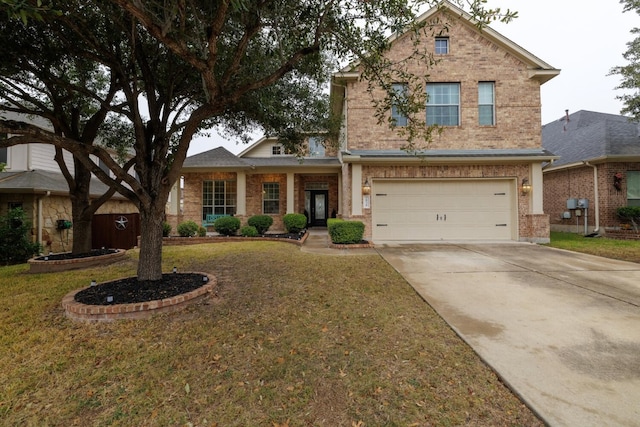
{"x": 630, "y": 73}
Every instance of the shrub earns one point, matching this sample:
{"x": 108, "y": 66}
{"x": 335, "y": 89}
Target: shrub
{"x": 227, "y": 225}
{"x": 249, "y": 231}
{"x": 346, "y": 232}
{"x": 631, "y": 214}
{"x": 188, "y": 229}
{"x": 202, "y": 232}
{"x": 294, "y": 223}
{"x": 15, "y": 245}
{"x": 261, "y": 223}
{"x": 166, "y": 229}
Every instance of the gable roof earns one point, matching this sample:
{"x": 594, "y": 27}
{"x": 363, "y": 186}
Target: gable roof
{"x": 218, "y": 156}
{"x": 40, "y": 182}
{"x": 590, "y": 136}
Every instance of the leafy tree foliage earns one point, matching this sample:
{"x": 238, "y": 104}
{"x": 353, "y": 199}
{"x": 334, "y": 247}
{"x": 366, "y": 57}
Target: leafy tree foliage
{"x": 15, "y": 245}
{"x": 237, "y": 64}
{"x": 630, "y": 73}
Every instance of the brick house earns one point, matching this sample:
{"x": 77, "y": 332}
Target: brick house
{"x": 481, "y": 179}
{"x": 599, "y": 161}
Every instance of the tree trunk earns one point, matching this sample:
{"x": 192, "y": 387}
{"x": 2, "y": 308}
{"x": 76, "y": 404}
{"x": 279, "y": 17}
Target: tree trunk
{"x": 82, "y": 240}
{"x": 150, "y": 262}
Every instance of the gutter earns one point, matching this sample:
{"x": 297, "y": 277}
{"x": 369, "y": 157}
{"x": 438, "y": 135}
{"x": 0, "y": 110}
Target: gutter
{"x": 597, "y": 197}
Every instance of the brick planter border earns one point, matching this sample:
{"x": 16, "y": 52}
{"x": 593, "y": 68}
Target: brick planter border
{"x": 351, "y": 246}
{"x": 139, "y": 310}
{"x": 178, "y": 241}
{"x": 54, "y": 266}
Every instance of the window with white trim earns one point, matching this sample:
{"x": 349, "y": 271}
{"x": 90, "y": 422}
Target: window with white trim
{"x": 4, "y": 152}
{"x": 633, "y": 188}
{"x": 270, "y": 198}
{"x": 399, "y": 98}
{"x": 276, "y": 150}
{"x": 486, "y": 104}
{"x": 218, "y": 197}
{"x": 443, "y": 104}
{"x": 316, "y": 149}
{"x": 442, "y": 45}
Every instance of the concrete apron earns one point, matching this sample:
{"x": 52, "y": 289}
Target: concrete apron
{"x": 561, "y": 329}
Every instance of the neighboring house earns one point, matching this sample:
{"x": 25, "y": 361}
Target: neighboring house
{"x": 32, "y": 181}
{"x": 481, "y": 179}
{"x": 599, "y": 162}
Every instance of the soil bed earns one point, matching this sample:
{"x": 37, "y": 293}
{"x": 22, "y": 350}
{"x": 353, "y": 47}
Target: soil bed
{"x": 69, "y": 255}
{"x": 130, "y": 290}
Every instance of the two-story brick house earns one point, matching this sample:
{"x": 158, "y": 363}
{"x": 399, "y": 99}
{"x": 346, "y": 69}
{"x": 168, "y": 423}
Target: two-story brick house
{"x": 481, "y": 179}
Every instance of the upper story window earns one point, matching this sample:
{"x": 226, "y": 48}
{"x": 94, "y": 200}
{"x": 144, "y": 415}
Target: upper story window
{"x": 316, "y": 147}
{"x": 276, "y": 150}
{"x": 399, "y": 95}
{"x": 633, "y": 188}
{"x": 104, "y": 167}
{"x": 442, "y": 45}
{"x": 270, "y": 198}
{"x": 4, "y": 152}
{"x": 443, "y": 104}
{"x": 486, "y": 104}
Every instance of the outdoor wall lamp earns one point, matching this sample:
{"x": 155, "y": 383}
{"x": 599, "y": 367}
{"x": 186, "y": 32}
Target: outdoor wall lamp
{"x": 526, "y": 187}
{"x": 366, "y": 188}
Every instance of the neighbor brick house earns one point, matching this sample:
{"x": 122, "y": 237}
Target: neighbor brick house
{"x": 599, "y": 161}
{"x": 481, "y": 179}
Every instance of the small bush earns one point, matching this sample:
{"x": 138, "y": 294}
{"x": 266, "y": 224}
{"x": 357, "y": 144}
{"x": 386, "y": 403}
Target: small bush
{"x": 227, "y": 225}
{"x": 188, "y": 229}
{"x": 15, "y": 245}
{"x": 166, "y": 229}
{"x": 202, "y": 232}
{"x": 346, "y": 232}
{"x": 631, "y": 214}
{"x": 261, "y": 223}
{"x": 294, "y": 223}
{"x": 249, "y": 231}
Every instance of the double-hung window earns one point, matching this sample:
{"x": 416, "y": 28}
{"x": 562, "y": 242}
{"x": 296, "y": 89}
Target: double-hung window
{"x": 486, "y": 104}
{"x": 443, "y": 104}
{"x": 399, "y": 98}
{"x": 270, "y": 198}
{"x": 442, "y": 45}
{"x": 316, "y": 149}
{"x": 218, "y": 197}
{"x": 633, "y": 188}
{"x": 4, "y": 152}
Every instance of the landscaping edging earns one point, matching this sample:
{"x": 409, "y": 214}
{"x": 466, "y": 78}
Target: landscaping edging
{"x": 351, "y": 245}
{"x": 54, "y": 266}
{"x": 178, "y": 241}
{"x": 139, "y": 310}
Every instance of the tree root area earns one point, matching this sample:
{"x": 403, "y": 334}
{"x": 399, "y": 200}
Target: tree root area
{"x": 131, "y": 290}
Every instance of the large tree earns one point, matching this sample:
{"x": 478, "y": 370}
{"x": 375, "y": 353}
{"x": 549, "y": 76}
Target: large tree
{"x": 72, "y": 93}
{"x": 233, "y": 63}
{"x": 630, "y": 73}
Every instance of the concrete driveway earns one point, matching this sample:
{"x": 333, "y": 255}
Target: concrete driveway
{"x": 562, "y": 329}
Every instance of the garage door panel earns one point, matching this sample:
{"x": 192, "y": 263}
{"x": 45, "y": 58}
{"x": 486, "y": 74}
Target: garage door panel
{"x": 441, "y": 210}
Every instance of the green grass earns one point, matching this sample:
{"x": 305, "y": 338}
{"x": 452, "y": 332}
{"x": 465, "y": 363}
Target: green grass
{"x": 626, "y": 250}
{"x": 290, "y": 339}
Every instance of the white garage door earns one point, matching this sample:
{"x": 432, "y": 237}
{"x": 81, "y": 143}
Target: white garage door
{"x": 443, "y": 210}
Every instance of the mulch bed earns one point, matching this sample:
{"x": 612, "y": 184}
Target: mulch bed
{"x": 69, "y": 255}
{"x": 130, "y": 290}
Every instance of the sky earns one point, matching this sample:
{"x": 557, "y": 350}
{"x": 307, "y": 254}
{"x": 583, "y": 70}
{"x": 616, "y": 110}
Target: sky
{"x": 582, "y": 38}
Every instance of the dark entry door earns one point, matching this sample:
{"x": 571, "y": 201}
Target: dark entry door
{"x": 118, "y": 231}
{"x": 319, "y": 207}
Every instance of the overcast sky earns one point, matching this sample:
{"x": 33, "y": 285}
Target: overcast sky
{"x": 583, "y": 38}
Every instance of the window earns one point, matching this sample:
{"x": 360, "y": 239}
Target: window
{"x": 270, "y": 198}
{"x": 633, "y": 188}
{"x": 276, "y": 150}
{"x": 486, "y": 104}
{"x": 218, "y": 197}
{"x": 399, "y": 98}
{"x": 4, "y": 152}
{"x": 102, "y": 165}
{"x": 316, "y": 149}
{"x": 442, "y": 45}
{"x": 443, "y": 104}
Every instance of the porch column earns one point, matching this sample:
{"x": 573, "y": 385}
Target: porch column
{"x": 536, "y": 183}
{"x": 356, "y": 190}
{"x": 174, "y": 198}
{"x": 241, "y": 193}
{"x": 290, "y": 192}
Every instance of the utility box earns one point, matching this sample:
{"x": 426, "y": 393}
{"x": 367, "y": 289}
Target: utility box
{"x": 572, "y": 203}
{"x": 566, "y": 215}
{"x": 583, "y": 203}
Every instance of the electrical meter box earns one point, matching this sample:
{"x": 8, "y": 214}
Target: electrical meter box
{"x": 572, "y": 203}
{"x": 566, "y": 215}
{"x": 583, "y": 203}
{"x": 63, "y": 224}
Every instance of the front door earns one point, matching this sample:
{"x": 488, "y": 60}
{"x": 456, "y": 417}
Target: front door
{"x": 319, "y": 207}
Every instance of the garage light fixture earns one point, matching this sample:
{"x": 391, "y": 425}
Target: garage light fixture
{"x": 366, "y": 188}
{"x": 526, "y": 187}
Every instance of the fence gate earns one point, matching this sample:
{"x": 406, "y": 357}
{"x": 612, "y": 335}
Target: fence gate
{"x": 118, "y": 231}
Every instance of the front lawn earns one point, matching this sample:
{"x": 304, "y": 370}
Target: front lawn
{"x": 291, "y": 339}
{"x": 626, "y": 250}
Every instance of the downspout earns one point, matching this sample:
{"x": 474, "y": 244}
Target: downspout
{"x": 596, "y": 202}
